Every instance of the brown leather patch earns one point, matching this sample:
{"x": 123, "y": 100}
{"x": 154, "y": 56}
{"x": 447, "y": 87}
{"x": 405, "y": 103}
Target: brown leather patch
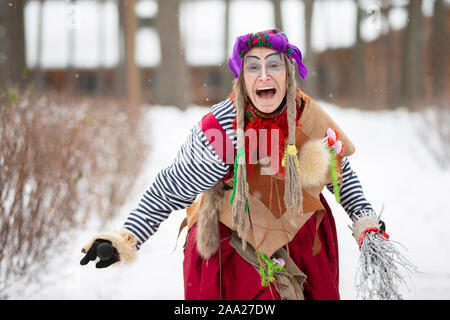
{"x": 315, "y": 121}
{"x": 263, "y": 188}
{"x": 311, "y": 203}
{"x": 270, "y": 191}
{"x": 300, "y": 138}
{"x": 303, "y": 96}
{"x": 266, "y": 233}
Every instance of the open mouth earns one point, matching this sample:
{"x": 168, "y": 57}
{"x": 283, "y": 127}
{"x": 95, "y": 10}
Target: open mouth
{"x": 266, "y": 93}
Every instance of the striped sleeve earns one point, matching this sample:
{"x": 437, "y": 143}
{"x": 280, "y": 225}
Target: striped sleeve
{"x": 225, "y": 113}
{"x": 351, "y": 193}
{"x": 196, "y": 169}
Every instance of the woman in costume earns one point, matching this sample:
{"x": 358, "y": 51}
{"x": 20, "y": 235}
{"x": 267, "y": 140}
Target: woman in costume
{"x": 251, "y": 175}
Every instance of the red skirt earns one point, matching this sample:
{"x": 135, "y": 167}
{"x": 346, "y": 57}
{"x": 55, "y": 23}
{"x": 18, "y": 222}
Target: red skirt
{"x": 239, "y": 280}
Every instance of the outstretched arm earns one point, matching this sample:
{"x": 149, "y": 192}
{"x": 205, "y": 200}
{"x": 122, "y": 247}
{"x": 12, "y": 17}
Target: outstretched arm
{"x": 351, "y": 194}
{"x": 196, "y": 169}
{"x": 382, "y": 267}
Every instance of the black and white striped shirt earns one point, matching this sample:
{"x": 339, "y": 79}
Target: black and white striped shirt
{"x": 198, "y": 168}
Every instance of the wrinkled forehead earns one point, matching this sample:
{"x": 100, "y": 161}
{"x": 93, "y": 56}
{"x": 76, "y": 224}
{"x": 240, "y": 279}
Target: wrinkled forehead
{"x": 262, "y": 53}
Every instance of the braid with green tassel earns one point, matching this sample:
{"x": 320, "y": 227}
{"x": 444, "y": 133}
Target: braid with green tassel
{"x": 240, "y": 153}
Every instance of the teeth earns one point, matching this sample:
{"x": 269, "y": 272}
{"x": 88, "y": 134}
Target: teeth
{"x": 259, "y": 90}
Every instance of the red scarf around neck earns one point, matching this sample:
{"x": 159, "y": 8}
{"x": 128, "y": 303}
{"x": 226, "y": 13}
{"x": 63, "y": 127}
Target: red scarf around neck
{"x": 275, "y": 124}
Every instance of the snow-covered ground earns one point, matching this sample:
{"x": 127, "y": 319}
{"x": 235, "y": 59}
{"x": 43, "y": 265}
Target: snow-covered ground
{"x": 393, "y": 167}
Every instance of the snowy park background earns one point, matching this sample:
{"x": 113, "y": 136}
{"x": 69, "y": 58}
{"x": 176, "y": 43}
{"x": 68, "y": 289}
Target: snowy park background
{"x": 395, "y": 155}
{"x": 399, "y": 175}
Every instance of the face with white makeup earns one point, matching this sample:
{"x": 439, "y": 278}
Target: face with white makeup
{"x": 265, "y": 78}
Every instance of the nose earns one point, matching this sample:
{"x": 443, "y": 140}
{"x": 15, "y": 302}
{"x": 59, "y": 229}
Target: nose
{"x": 263, "y": 75}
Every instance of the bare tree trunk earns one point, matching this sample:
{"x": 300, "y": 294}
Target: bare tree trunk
{"x": 101, "y": 47}
{"x": 226, "y": 76}
{"x": 71, "y": 26}
{"x": 277, "y": 14}
{"x": 120, "y": 72}
{"x": 391, "y": 92}
{"x": 309, "y": 7}
{"x": 310, "y": 84}
{"x": 439, "y": 48}
{"x": 133, "y": 78}
{"x": 12, "y": 44}
{"x": 412, "y": 62}
{"x": 39, "y": 72}
{"x": 129, "y": 84}
{"x": 358, "y": 82}
{"x": 173, "y": 77}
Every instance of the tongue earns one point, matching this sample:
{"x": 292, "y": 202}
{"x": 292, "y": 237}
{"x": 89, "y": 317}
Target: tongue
{"x": 267, "y": 94}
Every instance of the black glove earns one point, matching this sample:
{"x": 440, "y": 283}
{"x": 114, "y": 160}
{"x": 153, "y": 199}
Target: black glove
{"x": 102, "y": 249}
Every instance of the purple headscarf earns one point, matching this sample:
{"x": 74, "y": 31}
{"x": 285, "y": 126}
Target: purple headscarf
{"x": 273, "y": 39}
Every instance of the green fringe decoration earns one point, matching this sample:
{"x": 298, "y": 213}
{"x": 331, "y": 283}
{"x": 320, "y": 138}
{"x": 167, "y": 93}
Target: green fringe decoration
{"x": 268, "y": 270}
{"x": 262, "y": 273}
{"x": 239, "y": 153}
{"x": 334, "y": 176}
